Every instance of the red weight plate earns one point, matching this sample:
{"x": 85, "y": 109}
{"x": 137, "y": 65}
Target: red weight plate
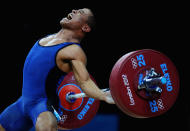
{"x": 124, "y": 78}
{"x": 64, "y": 103}
{"x": 78, "y": 113}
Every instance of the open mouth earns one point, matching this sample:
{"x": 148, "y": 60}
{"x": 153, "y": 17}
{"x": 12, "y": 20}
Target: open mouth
{"x": 69, "y": 16}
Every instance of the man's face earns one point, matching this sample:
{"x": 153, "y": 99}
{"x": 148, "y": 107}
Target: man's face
{"x": 76, "y": 19}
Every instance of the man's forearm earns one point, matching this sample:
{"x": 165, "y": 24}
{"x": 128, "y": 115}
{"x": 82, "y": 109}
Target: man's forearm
{"x": 85, "y": 82}
{"x": 92, "y": 90}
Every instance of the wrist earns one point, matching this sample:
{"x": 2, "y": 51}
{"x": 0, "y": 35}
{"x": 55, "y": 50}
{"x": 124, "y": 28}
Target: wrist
{"x": 103, "y": 97}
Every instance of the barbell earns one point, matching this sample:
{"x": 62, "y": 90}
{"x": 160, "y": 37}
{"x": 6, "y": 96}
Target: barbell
{"x": 143, "y": 84}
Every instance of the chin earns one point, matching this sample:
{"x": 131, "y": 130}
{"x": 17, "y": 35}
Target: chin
{"x": 65, "y": 22}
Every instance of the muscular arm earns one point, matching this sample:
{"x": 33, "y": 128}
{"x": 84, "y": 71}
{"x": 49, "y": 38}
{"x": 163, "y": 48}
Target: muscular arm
{"x": 72, "y": 58}
{"x": 84, "y": 80}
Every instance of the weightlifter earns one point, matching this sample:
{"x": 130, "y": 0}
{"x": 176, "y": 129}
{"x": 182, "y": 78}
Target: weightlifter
{"x": 62, "y": 51}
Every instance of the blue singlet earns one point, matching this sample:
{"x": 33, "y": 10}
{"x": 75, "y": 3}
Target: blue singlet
{"x": 40, "y": 66}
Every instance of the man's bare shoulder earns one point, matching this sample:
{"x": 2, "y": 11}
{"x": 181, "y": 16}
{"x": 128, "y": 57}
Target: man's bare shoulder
{"x": 73, "y": 51}
{"x": 74, "y": 48}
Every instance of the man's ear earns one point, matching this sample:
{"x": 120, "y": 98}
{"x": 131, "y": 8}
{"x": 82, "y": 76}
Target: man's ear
{"x": 86, "y": 28}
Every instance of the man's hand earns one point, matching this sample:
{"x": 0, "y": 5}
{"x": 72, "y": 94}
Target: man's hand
{"x": 108, "y": 98}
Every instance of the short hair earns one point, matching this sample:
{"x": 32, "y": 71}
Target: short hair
{"x": 91, "y": 21}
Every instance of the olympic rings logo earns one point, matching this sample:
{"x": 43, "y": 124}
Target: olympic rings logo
{"x": 63, "y": 118}
{"x": 160, "y": 104}
{"x": 134, "y": 63}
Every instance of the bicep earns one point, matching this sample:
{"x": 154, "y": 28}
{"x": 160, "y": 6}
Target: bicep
{"x": 72, "y": 58}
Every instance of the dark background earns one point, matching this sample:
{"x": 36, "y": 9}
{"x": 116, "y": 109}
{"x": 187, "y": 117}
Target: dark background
{"x": 118, "y": 31}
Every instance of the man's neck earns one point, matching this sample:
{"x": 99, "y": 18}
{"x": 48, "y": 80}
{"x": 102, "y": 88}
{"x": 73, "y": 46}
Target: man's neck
{"x": 62, "y": 36}
{"x": 68, "y": 36}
